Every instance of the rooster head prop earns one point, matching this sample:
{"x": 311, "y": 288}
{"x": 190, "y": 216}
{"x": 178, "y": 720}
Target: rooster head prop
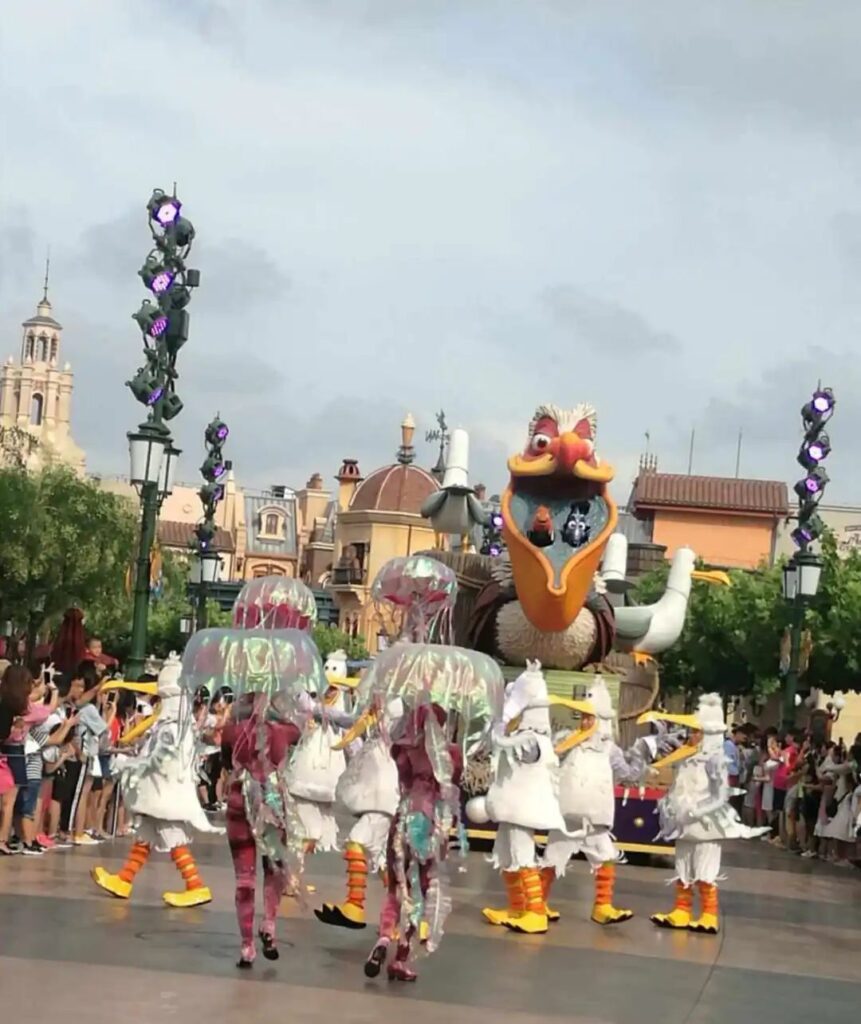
{"x": 558, "y": 472}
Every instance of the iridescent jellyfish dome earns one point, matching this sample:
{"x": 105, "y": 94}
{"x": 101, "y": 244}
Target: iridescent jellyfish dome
{"x": 415, "y": 597}
{"x": 275, "y": 602}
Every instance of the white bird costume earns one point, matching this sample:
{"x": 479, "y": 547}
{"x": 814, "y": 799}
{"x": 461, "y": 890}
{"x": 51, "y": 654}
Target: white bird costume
{"x": 160, "y": 790}
{"x": 697, "y": 815}
{"x": 592, "y": 765}
{"x": 368, "y": 790}
{"x": 316, "y": 766}
{"x": 523, "y": 797}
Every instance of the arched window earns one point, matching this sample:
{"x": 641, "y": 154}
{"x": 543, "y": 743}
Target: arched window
{"x": 272, "y": 524}
{"x": 36, "y": 407}
{"x": 43, "y": 347}
{"x": 30, "y": 351}
{"x": 53, "y": 350}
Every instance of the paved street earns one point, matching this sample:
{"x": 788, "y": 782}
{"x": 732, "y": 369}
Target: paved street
{"x": 790, "y": 951}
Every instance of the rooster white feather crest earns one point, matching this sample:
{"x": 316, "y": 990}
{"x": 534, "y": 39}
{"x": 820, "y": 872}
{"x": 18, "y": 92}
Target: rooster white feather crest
{"x": 566, "y": 419}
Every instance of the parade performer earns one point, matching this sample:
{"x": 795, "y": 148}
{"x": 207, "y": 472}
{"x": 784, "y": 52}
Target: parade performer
{"x": 160, "y": 790}
{"x": 523, "y": 797}
{"x": 696, "y": 813}
{"x": 450, "y": 698}
{"x": 416, "y": 594}
{"x": 592, "y": 765}
{"x": 268, "y": 670}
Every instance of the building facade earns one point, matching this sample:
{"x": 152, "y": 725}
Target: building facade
{"x": 36, "y": 398}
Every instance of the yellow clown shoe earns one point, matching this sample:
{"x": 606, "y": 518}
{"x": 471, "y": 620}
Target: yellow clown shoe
{"x": 708, "y": 922}
{"x": 351, "y": 913}
{"x": 516, "y": 900}
{"x": 548, "y": 877}
{"x": 196, "y": 893}
{"x": 680, "y": 915}
{"x": 603, "y": 911}
{"x": 113, "y": 884}
{"x": 533, "y": 919}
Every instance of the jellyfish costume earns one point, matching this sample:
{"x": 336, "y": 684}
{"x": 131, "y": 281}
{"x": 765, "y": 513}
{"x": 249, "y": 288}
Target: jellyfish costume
{"x": 415, "y": 596}
{"x": 450, "y": 698}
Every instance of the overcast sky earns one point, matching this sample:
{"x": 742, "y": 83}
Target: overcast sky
{"x": 409, "y": 204}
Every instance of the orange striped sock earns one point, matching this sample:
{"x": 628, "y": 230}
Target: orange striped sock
{"x": 181, "y": 856}
{"x": 137, "y": 858}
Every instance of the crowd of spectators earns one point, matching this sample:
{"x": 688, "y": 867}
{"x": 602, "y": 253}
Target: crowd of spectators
{"x": 807, "y": 791}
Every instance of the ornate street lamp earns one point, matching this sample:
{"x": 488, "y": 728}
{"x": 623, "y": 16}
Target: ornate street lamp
{"x": 206, "y": 564}
{"x": 163, "y": 321}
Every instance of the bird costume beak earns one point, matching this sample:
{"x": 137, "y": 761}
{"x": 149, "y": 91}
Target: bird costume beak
{"x": 574, "y": 739}
{"x": 554, "y": 574}
{"x": 139, "y": 730}
{"x": 682, "y": 753}
{"x": 149, "y": 689}
{"x": 359, "y": 728}
{"x": 343, "y": 682}
{"x": 713, "y": 576}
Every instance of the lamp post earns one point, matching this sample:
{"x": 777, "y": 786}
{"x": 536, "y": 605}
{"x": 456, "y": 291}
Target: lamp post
{"x": 163, "y": 322}
{"x": 214, "y": 471}
{"x": 801, "y": 574}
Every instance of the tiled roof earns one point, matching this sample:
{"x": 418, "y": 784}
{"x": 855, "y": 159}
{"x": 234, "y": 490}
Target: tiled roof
{"x": 670, "y": 490}
{"x": 397, "y": 488}
{"x": 181, "y": 535}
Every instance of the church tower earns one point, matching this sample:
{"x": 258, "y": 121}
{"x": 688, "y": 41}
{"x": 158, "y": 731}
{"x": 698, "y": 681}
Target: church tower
{"x": 36, "y": 394}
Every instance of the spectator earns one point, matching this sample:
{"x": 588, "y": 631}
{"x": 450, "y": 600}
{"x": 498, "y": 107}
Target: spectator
{"x": 90, "y": 729}
{"x": 14, "y": 702}
{"x": 787, "y": 755}
{"x": 839, "y": 774}
{"x": 95, "y": 652}
{"x": 733, "y": 764}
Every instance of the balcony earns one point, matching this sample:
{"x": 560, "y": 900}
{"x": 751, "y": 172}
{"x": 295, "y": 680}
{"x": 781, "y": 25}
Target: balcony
{"x": 348, "y": 576}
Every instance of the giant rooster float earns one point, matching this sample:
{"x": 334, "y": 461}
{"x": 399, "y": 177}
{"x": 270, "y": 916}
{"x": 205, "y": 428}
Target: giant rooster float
{"x": 549, "y": 596}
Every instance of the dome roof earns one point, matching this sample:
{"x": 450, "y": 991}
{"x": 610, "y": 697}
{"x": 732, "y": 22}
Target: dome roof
{"x": 397, "y": 488}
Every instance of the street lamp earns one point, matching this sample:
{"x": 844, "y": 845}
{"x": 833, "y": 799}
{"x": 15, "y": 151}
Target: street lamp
{"x": 802, "y": 572}
{"x": 163, "y": 322}
{"x": 206, "y": 565}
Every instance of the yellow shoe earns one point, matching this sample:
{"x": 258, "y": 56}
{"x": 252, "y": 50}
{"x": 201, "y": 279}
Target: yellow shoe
{"x": 606, "y": 913}
{"x": 706, "y": 924}
{"x": 342, "y": 915}
{"x": 188, "y": 898}
{"x": 675, "y": 919}
{"x": 528, "y": 923}
{"x": 424, "y": 931}
{"x": 113, "y": 884}
{"x": 496, "y": 916}
{"x": 553, "y": 915}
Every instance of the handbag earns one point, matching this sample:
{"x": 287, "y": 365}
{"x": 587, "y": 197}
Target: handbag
{"x": 833, "y": 806}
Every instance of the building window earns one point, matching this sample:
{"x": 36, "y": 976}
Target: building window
{"x": 30, "y": 350}
{"x": 36, "y": 410}
{"x": 53, "y": 350}
{"x": 272, "y": 524}
{"x": 43, "y": 347}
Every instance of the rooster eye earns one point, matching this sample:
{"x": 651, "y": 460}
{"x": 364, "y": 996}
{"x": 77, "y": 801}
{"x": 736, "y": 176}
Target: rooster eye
{"x": 540, "y": 443}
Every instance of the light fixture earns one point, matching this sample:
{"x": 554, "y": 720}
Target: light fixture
{"x": 162, "y": 208}
{"x": 809, "y": 569}
{"x": 205, "y": 533}
{"x": 158, "y": 275}
{"x": 814, "y": 451}
{"x": 809, "y": 531}
{"x": 211, "y": 493}
{"x": 172, "y": 405}
{"x": 185, "y": 625}
{"x": 216, "y": 432}
{"x": 151, "y": 320}
{"x": 210, "y": 563}
{"x": 496, "y": 521}
{"x": 813, "y": 484}
{"x": 168, "y": 470}
{"x": 146, "y": 453}
{"x": 790, "y": 581}
{"x": 213, "y": 468}
{"x": 146, "y": 386}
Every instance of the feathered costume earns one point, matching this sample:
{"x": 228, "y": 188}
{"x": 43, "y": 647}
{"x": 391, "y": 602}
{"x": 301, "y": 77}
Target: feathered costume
{"x": 160, "y": 791}
{"x": 523, "y": 797}
{"x": 592, "y": 765}
{"x": 696, "y": 813}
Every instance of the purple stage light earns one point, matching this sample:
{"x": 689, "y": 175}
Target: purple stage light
{"x": 496, "y": 521}
{"x": 494, "y": 551}
{"x": 822, "y": 401}
{"x": 158, "y": 326}
{"x": 813, "y": 484}
{"x": 222, "y": 433}
{"x": 161, "y": 282}
{"x": 167, "y": 212}
{"x": 816, "y": 451}
{"x": 155, "y": 395}
{"x": 218, "y": 470}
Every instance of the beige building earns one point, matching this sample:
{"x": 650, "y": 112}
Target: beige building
{"x": 378, "y": 518}
{"x": 843, "y": 520}
{"x": 36, "y": 396}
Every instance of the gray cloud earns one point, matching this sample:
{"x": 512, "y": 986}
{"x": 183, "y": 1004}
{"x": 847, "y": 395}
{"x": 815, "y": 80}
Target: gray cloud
{"x": 609, "y": 328}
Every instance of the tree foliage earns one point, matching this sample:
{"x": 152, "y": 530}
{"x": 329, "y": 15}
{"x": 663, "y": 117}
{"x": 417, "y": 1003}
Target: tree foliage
{"x": 731, "y": 640}
{"x": 64, "y": 542}
{"x": 834, "y": 620}
{"x": 330, "y": 638}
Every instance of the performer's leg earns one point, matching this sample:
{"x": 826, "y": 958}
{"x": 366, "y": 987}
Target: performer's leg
{"x": 399, "y": 969}
{"x": 274, "y": 884}
{"x": 602, "y": 854}
{"x": 390, "y": 913}
{"x": 120, "y": 884}
{"x": 680, "y": 915}
{"x": 350, "y": 913}
{"x": 510, "y": 846}
{"x": 706, "y": 871}
{"x": 196, "y": 893}
{"x": 243, "y": 850}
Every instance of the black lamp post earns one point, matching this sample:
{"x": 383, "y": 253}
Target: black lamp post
{"x": 163, "y": 321}
{"x": 801, "y": 574}
{"x": 214, "y": 471}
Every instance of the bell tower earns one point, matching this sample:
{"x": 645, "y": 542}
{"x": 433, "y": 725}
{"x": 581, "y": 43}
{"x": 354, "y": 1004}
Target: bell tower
{"x": 36, "y": 391}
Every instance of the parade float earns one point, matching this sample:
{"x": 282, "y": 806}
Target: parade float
{"x": 555, "y": 590}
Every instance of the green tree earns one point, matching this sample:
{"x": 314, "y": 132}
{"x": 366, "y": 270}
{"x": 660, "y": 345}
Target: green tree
{"x": 330, "y": 638}
{"x": 834, "y": 621}
{"x": 730, "y": 643}
{"x": 64, "y": 542}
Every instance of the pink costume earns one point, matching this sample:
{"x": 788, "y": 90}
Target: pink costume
{"x": 239, "y": 749}
{"x": 416, "y": 841}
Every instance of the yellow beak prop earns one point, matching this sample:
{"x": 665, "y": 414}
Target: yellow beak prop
{"x": 345, "y": 683}
{"x": 149, "y": 689}
{"x": 713, "y": 576}
{"x": 687, "y": 721}
{"x": 361, "y": 726}
{"x": 137, "y": 731}
{"x": 581, "y": 707}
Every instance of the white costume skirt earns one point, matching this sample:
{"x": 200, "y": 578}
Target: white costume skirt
{"x": 371, "y": 831}
{"x": 514, "y": 848}
{"x": 841, "y": 826}
{"x": 697, "y": 862}
{"x": 163, "y": 836}
{"x": 597, "y": 847}
{"x": 318, "y": 823}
